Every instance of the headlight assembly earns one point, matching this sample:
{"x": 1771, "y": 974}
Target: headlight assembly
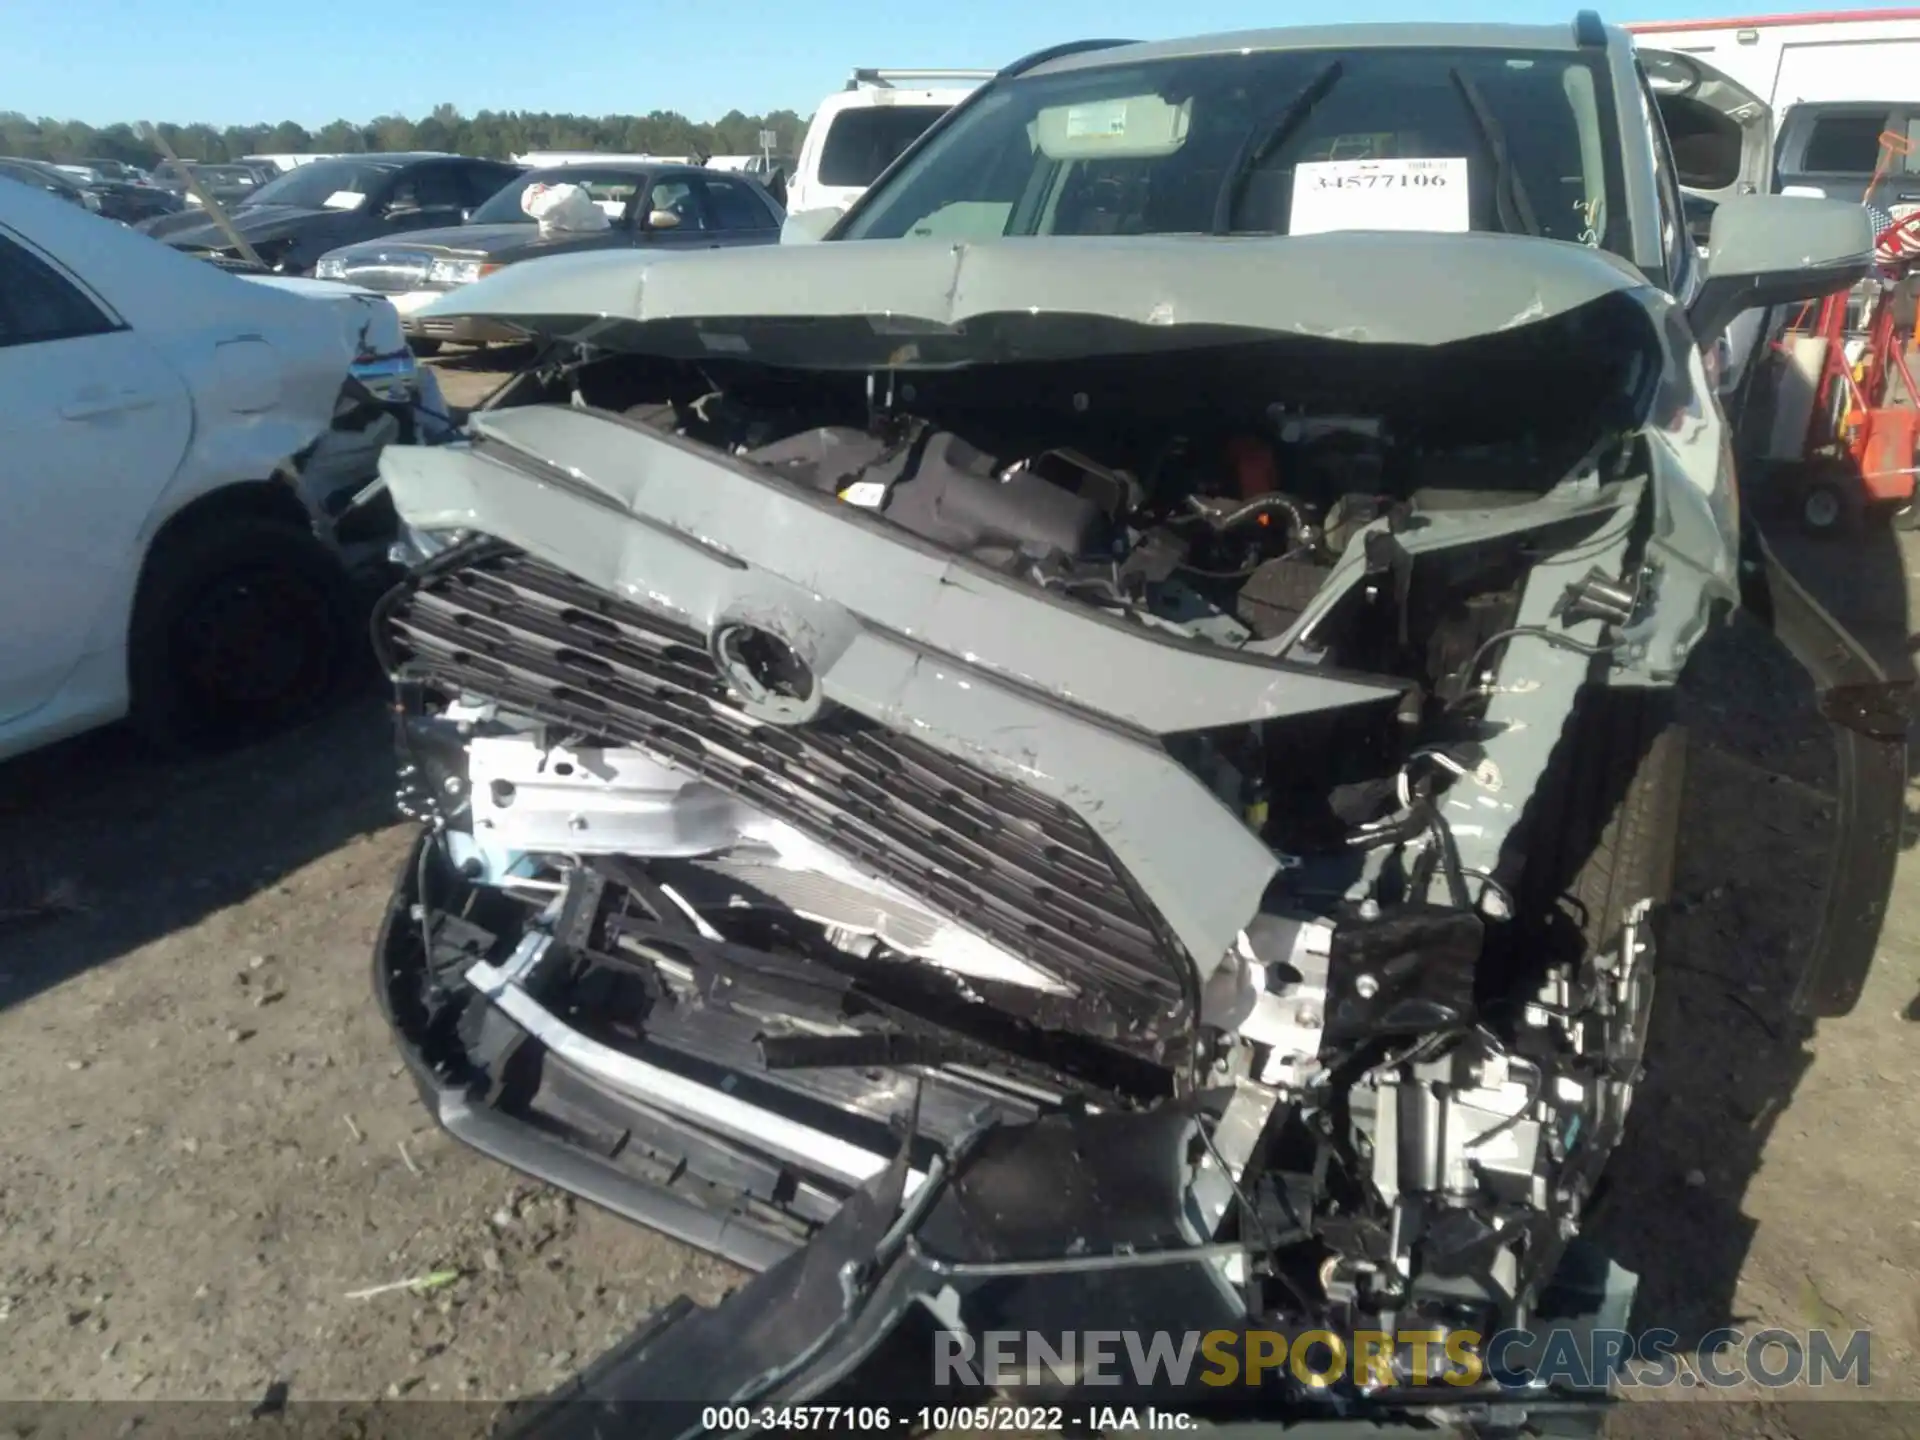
{"x": 330, "y": 267}
{"x": 457, "y": 272}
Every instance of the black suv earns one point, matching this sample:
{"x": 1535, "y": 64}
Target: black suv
{"x": 292, "y": 221}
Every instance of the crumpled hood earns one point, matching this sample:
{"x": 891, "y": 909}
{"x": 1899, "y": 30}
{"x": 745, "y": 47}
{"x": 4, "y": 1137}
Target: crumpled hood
{"x": 920, "y": 302}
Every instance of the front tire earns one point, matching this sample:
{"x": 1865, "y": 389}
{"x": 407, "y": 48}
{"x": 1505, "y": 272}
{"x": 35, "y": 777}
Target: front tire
{"x": 422, "y": 346}
{"x": 241, "y": 628}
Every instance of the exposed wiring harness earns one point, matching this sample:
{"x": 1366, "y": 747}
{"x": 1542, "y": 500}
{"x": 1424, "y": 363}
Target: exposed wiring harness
{"x": 1464, "y": 675}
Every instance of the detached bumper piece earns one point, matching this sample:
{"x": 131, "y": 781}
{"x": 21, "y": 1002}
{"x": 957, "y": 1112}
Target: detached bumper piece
{"x": 883, "y": 1201}
{"x": 737, "y": 1114}
{"x": 1053, "y": 1228}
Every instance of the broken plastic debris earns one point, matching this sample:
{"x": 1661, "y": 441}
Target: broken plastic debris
{"x": 419, "y": 1284}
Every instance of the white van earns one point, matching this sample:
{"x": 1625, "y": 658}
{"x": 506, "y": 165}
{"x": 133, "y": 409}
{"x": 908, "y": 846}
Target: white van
{"x": 862, "y": 129}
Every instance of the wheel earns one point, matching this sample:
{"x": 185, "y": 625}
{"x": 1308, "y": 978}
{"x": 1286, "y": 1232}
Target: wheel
{"x": 1830, "y": 506}
{"x": 1602, "y": 837}
{"x": 422, "y": 346}
{"x": 241, "y": 627}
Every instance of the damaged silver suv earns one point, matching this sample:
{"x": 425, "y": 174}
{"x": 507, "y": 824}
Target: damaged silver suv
{"x": 1096, "y": 749}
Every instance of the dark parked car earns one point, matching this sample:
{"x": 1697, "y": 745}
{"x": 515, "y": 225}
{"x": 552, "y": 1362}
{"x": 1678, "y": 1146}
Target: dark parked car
{"x": 128, "y": 204}
{"x": 46, "y": 177}
{"x": 676, "y": 206}
{"x": 295, "y": 219}
{"x": 118, "y": 170}
{"x": 230, "y": 185}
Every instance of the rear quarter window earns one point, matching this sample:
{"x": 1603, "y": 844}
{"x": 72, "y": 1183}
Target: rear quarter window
{"x": 38, "y": 304}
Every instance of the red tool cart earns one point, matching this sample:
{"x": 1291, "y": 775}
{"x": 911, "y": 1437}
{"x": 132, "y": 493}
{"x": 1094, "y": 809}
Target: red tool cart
{"x": 1846, "y": 414}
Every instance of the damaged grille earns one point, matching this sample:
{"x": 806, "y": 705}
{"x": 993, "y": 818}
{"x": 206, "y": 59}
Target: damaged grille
{"x": 1018, "y": 868}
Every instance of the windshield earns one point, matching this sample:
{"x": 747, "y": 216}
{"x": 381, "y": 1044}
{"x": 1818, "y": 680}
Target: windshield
{"x": 1274, "y": 142}
{"x": 325, "y": 185}
{"x": 611, "y": 190}
{"x": 861, "y": 143}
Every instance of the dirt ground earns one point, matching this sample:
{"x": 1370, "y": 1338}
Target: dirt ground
{"x": 210, "y": 1152}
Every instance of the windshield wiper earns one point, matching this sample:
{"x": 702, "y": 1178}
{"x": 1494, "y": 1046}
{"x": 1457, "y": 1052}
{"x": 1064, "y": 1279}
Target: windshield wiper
{"x": 1510, "y": 197}
{"x": 1262, "y": 143}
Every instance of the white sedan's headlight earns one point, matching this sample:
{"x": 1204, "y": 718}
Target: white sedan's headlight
{"x": 456, "y": 272}
{"x": 330, "y": 267}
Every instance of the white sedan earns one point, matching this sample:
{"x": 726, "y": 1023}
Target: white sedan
{"x": 177, "y": 440}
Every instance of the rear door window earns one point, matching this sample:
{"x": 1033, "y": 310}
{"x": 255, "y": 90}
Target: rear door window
{"x": 735, "y": 207}
{"x": 480, "y": 183}
{"x": 861, "y": 143}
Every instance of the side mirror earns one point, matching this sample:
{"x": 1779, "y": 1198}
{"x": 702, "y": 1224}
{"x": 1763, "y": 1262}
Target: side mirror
{"x": 662, "y": 220}
{"x": 1773, "y": 250}
{"x": 806, "y": 226}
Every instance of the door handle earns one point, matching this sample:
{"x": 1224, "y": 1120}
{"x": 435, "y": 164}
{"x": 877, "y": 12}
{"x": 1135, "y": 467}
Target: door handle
{"x": 95, "y": 406}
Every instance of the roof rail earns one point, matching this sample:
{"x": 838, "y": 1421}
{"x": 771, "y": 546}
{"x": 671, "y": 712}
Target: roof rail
{"x": 1589, "y": 31}
{"x": 1056, "y": 52}
{"x": 887, "y": 79}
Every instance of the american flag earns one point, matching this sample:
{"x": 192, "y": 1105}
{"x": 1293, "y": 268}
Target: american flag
{"x": 1894, "y": 248}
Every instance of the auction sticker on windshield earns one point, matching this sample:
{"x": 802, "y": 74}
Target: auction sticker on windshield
{"x": 1426, "y": 194}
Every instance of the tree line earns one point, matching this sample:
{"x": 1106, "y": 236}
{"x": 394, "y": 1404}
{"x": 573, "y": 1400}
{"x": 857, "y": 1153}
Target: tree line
{"x": 494, "y": 133}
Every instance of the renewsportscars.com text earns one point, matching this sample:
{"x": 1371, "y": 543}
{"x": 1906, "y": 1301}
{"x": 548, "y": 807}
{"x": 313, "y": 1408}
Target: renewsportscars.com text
{"x": 1773, "y": 1358}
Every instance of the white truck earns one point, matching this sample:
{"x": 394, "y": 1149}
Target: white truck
{"x": 1812, "y": 58}
{"x": 1836, "y": 82}
{"x": 861, "y": 130}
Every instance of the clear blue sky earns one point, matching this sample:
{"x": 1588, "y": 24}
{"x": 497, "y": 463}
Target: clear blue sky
{"x": 241, "y": 61}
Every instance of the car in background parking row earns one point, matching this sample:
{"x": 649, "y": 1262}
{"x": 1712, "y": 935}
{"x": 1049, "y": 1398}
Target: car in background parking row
{"x": 667, "y": 206}
{"x": 179, "y": 446}
{"x": 118, "y": 170}
{"x": 293, "y": 220}
{"x": 117, "y": 200}
{"x": 229, "y": 185}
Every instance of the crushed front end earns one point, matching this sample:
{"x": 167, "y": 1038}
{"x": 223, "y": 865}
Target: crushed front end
{"x": 1082, "y": 821}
